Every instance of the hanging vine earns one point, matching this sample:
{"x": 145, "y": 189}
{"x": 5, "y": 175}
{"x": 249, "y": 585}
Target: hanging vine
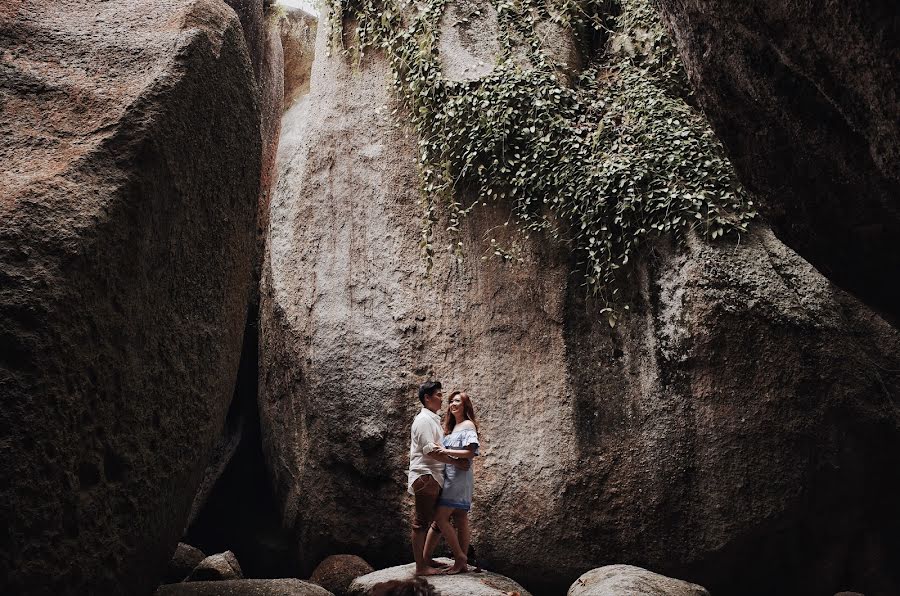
{"x": 605, "y": 163}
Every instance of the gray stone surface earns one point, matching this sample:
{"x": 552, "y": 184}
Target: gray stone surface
{"x": 464, "y": 584}
{"x": 742, "y": 402}
{"x": 298, "y": 38}
{"x": 127, "y": 207}
{"x": 806, "y": 96}
{"x": 218, "y": 567}
{"x": 244, "y": 587}
{"x": 627, "y": 580}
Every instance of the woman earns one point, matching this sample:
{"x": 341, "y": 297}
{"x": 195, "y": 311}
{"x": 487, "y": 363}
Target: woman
{"x": 460, "y": 440}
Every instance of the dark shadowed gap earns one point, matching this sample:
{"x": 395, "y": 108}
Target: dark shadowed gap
{"x": 241, "y": 513}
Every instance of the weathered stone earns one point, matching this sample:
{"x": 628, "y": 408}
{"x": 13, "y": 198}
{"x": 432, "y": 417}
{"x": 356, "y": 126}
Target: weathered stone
{"x": 127, "y": 205}
{"x": 185, "y": 559}
{"x": 806, "y": 96}
{"x": 742, "y": 403}
{"x": 254, "y": 27}
{"x": 298, "y": 38}
{"x": 616, "y": 580}
{"x": 261, "y": 36}
{"x": 244, "y": 587}
{"x": 222, "y": 566}
{"x": 337, "y": 572}
{"x": 271, "y": 79}
{"x": 464, "y": 584}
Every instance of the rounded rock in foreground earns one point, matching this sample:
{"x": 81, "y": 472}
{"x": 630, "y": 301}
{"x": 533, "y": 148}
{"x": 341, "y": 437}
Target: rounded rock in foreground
{"x": 222, "y": 566}
{"x": 337, "y": 572}
{"x": 183, "y": 562}
{"x": 616, "y": 580}
{"x": 244, "y": 587}
{"x": 463, "y": 584}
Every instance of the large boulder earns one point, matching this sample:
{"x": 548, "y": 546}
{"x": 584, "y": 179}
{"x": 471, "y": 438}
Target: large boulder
{"x": 464, "y": 584}
{"x": 337, "y": 572}
{"x": 617, "y": 580}
{"x": 737, "y": 429}
{"x": 131, "y": 154}
{"x": 244, "y": 587}
{"x": 806, "y": 96}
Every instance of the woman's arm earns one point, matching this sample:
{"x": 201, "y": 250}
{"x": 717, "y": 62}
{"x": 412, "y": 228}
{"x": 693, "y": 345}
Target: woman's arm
{"x": 467, "y": 453}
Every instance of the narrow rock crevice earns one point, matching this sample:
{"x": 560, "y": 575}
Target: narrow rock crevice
{"x": 240, "y": 513}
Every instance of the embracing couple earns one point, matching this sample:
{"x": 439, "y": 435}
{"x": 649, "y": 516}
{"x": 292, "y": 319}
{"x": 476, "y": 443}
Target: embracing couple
{"x": 440, "y": 477}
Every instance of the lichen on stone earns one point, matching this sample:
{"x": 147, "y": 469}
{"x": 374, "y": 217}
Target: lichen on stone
{"x": 606, "y": 159}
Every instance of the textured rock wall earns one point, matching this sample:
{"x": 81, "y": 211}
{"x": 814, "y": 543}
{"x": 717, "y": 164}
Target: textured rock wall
{"x": 738, "y": 430}
{"x": 131, "y": 159}
{"x": 264, "y": 43}
{"x": 806, "y": 96}
{"x": 261, "y": 36}
{"x": 271, "y": 91}
{"x": 298, "y": 37}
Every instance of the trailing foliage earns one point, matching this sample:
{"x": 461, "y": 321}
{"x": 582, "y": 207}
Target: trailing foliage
{"x": 605, "y": 162}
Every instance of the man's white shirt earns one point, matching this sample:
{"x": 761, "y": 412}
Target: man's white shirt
{"x": 426, "y": 437}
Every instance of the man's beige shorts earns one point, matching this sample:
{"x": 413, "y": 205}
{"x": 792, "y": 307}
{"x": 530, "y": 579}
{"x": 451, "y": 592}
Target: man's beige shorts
{"x": 426, "y": 490}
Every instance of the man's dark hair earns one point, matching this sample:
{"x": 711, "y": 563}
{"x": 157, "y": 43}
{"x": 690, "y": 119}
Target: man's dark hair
{"x": 428, "y": 388}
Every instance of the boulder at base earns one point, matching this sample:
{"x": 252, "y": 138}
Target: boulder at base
{"x": 217, "y": 567}
{"x": 185, "y": 559}
{"x": 244, "y": 587}
{"x": 622, "y": 580}
{"x": 806, "y": 96}
{"x": 130, "y": 151}
{"x": 463, "y": 584}
{"x": 337, "y": 572}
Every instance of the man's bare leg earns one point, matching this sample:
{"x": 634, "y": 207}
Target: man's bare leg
{"x": 417, "y": 537}
{"x": 426, "y": 491}
{"x": 459, "y": 557}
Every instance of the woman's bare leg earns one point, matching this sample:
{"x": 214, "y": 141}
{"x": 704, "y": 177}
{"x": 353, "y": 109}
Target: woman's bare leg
{"x": 463, "y": 530}
{"x": 442, "y": 518}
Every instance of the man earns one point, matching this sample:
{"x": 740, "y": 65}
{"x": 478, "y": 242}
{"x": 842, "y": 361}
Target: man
{"x": 426, "y": 477}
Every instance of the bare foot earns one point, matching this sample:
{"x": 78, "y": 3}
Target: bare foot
{"x": 438, "y": 564}
{"x": 459, "y": 566}
{"x": 429, "y": 571}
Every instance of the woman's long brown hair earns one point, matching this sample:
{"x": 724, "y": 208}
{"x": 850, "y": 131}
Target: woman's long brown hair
{"x": 468, "y": 412}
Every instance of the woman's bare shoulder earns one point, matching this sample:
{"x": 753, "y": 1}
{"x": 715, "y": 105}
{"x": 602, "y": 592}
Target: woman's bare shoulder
{"x": 466, "y": 424}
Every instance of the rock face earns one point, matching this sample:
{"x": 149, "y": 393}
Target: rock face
{"x": 298, "y": 38}
{"x": 264, "y": 43}
{"x": 126, "y": 235}
{"x": 223, "y": 566}
{"x": 337, "y": 572}
{"x": 615, "y": 580}
{"x": 738, "y": 429}
{"x": 244, "y": 587}
{"x": 466, "y": 584}
{"x": 806, "y": 96}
